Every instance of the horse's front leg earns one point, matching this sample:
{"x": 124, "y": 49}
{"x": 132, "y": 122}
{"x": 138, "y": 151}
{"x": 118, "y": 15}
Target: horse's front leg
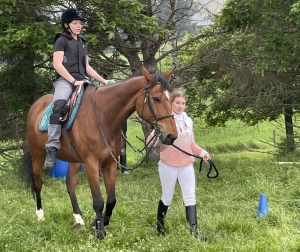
{"x": 92, "y": 172}
{"x": 71, "y": 183}
{"x": 109, "y": 175}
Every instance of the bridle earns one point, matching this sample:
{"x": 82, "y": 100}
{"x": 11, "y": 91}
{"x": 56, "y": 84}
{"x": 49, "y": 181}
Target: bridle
{"x": 154, "y": 125}
{"x": 154, "y": 118}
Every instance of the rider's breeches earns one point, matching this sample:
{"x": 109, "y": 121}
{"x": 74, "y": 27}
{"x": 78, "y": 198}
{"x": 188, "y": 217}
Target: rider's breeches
{"x": 63, "y": 91}
{"x": 186, "y": 177}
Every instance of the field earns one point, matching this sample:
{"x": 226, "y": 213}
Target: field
{"x": 227, "y": 206}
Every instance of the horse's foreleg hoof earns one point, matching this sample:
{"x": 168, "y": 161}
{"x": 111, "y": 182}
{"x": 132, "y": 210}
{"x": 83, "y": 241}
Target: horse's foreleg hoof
{"x": 40, "y": 214}
{"x": 79, "y": 223}
{"x": 100, "y": 230}
{"x": 100, "y": 234}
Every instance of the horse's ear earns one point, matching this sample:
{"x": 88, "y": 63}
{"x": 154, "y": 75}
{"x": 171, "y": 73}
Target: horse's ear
{"x": 147, "y": 75}
{"x": 169, "y": 74}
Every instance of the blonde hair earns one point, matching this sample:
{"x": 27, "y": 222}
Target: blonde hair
{"x": 178, "y": 93}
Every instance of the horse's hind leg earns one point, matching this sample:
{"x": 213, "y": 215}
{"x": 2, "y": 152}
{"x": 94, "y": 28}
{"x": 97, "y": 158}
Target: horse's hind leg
{"x": 71, "y": 183}
{"x": 37, "y": 164}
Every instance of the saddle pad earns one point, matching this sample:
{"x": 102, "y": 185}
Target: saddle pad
{"x": 44, "y": 121}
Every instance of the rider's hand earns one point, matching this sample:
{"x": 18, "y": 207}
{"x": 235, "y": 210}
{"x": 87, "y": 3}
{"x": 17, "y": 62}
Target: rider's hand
{"x": 78, "y": 83}
{"x": 108, "y": 82}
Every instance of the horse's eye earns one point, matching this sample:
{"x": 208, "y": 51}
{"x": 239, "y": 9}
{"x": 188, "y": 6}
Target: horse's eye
{"x": 156, "y": 99}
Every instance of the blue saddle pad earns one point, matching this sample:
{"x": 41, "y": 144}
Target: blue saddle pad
{"x": 44, "y": 121}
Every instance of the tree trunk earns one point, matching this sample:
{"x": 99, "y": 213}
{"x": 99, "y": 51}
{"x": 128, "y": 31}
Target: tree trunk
{"x": 152, "y": 153}
{"x": 289, "y": 129}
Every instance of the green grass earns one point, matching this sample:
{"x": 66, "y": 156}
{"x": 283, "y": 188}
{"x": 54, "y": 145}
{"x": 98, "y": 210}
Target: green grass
{"x": 227, "y": 206}
{"x": 236, "y": 136}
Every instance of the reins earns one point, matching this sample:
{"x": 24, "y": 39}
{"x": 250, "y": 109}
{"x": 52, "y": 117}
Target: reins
{"x": 211, "y": 163}
{"x": 156, "y": 135}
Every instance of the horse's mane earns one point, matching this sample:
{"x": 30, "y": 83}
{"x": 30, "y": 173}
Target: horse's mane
{"x": 157, "y": 79}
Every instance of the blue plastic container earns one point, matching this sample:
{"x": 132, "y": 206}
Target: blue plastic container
{"x": 60, "y": 170}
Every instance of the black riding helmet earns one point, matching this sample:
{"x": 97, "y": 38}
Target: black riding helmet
{"x": 69, "y": 15}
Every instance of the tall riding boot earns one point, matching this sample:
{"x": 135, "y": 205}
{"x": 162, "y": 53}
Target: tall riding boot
{"x": 161, "y": 214}
{"x": 123, "y": 160}
{"x": 191, "y": 216}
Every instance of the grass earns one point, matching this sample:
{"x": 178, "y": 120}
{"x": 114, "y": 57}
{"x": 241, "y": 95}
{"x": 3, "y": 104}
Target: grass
{"x": 227, "y": 206}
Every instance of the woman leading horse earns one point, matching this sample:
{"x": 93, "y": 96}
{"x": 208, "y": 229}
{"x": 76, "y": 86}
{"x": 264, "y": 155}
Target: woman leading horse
{"x": 96, "y": 137}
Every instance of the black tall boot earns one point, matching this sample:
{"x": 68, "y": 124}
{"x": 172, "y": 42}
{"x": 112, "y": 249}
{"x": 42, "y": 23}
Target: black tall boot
{"x": 191, "y": 216}
{"x": 161, "y": 214}
{"x": 123, "y": 161}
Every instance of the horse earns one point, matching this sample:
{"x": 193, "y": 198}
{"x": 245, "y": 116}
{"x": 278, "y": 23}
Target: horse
{"x": 96, "y": 137}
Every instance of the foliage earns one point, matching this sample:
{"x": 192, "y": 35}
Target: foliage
{"x": 249, "y": 69}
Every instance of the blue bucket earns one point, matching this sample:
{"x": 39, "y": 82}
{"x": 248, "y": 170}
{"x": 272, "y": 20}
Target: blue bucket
{"x": 60, "y": 170}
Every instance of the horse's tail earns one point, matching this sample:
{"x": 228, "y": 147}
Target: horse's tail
{"x": 26, "y": 171}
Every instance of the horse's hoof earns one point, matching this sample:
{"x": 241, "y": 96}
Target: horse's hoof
{"x": 40, "y": 214}
{"x": 78, "y": 226}
{"x": 100, "y": 230}
{"x": 100, "y": 234}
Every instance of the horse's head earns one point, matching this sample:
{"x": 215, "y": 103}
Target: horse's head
{"x": 156, "y": 106}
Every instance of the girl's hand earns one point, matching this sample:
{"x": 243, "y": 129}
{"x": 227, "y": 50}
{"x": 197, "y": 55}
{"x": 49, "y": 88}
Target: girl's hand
{"x": 206, "y": 158}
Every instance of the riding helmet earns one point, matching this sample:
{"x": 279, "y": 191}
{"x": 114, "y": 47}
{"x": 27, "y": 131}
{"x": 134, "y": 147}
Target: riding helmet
{"x": 69, "y": 15}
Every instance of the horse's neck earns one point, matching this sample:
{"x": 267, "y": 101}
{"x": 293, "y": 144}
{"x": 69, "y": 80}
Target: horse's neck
{"x": 119, "y": 100}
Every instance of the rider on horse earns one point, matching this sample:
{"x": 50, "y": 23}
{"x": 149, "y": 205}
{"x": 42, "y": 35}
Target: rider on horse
{"x": 70, "y": 61}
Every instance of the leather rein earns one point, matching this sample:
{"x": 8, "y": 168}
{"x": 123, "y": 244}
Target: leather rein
{"x": 210, "y": 162}
{"x": 153, "y": 125}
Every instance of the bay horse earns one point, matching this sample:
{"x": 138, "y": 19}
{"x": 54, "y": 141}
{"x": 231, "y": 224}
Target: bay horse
{"x": 96, "y": 137}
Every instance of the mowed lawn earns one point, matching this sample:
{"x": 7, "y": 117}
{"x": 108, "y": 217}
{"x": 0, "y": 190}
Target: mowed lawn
{"x": 227, "y": 205}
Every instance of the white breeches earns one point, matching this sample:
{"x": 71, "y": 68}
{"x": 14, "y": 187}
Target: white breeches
{"x": 186, "y": 177}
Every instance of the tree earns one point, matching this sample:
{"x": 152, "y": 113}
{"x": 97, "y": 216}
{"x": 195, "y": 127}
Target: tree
{"x": 24, "y": 49}
{"x": 254, "y": 74}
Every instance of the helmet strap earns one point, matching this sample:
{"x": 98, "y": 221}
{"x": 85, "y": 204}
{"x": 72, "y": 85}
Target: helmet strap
{"x": 69, "y": 28}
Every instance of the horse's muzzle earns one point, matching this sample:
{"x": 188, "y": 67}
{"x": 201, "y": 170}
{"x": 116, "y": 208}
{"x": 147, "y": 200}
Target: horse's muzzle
{"x": 168, "y": 140}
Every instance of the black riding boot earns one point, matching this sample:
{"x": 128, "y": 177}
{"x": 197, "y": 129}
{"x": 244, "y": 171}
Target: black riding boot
{"x": 191, "y": 216}
{"x": 161, "y": 214}
{"x": 123, "y": 161}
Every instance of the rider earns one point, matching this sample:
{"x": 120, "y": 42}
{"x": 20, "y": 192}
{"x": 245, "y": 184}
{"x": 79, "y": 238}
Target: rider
{"x": 70, "y": 61}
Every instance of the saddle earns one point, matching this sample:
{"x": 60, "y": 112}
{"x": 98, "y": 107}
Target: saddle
{"x": 70, "y": 104}
{"x": 70, "y": 111}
